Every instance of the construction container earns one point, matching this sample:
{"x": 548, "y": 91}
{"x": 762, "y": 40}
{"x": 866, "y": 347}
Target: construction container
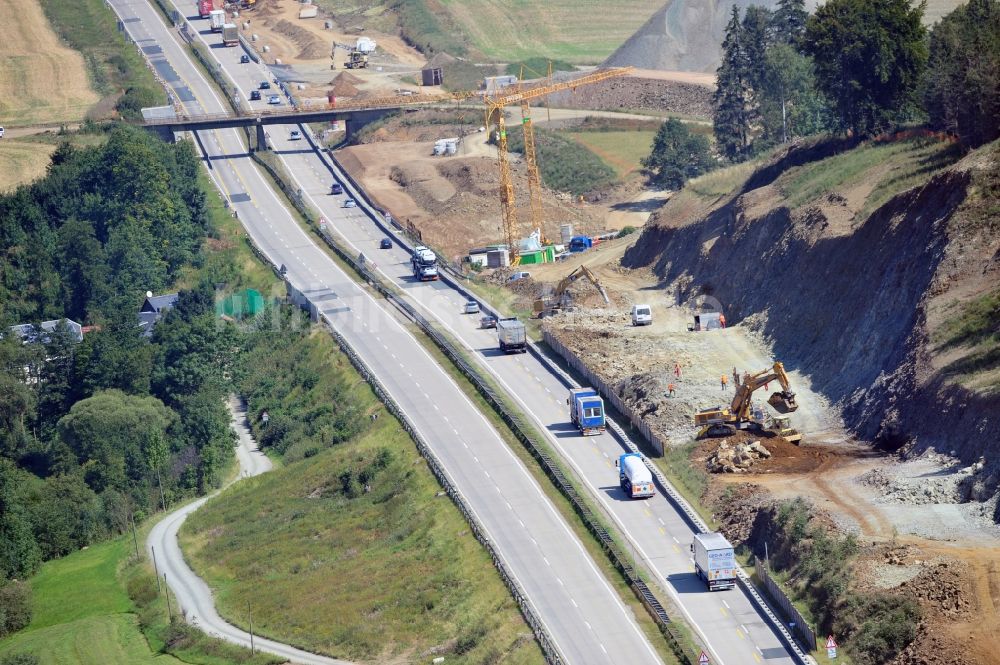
{"x": 498, "y": 258}
{"x": 432, "y": 76}
{"x": 565, "y": 233}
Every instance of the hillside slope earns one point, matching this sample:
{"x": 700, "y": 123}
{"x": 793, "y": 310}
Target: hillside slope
{"x": 873, "y": 270}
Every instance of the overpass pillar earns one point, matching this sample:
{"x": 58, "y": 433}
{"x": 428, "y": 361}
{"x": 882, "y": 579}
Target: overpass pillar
{"x": 261, "y": 137}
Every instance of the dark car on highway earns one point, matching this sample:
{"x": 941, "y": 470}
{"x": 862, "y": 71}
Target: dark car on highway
{"x": 264, "y": 85}
{"x": 335, "y": 188}
{"x": 254, "y": 95}
{"x": 385, "y": 244}
{"x": 244, "y": 59}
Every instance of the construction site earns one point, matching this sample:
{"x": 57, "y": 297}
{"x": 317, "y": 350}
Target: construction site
{"x": 817, "y": 323}
{"x": 840, "y": 298}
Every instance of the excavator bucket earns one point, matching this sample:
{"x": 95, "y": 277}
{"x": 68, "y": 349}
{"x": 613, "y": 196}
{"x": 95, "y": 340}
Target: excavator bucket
{"x": 783, "y": 402}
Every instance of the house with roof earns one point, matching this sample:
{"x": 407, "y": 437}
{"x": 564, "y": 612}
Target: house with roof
{"x": 29, "y": 333}
{"x": 152, "y": 310}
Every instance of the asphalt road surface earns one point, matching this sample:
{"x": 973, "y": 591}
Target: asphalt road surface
{"x": 728, "y": 623}
{"x": 579, "y": 610}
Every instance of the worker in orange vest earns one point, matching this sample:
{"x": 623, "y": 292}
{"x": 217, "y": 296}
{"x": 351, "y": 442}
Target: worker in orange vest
{"x": 725, "y": 382}
{"x": 671, "y": 390}
{"x": 722, "y": 320}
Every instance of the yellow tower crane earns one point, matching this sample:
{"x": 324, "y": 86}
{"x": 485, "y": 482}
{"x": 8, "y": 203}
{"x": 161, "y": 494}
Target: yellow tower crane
{"x": 495, "y": 106}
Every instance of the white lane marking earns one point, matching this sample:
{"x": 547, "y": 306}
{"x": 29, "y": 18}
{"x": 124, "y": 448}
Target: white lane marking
{"x": 546, "y": 561}
{"x": 560, "y": 582}
{"x": 602, "y": 648}
{"x": 675, "y": 540}
{"x": 726, "y": 604}
{"x": 587, "y": 624}
{"x": 662, "y": 523}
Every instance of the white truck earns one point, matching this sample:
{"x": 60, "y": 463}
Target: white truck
{"x": 230, "y": 35}
{"x": 634, "y": 476}
{"x": 217, "y": 19}
{"x": 512, "y": 336}
{"x": 714, "y": 560}
{"x": 424, "y": 263}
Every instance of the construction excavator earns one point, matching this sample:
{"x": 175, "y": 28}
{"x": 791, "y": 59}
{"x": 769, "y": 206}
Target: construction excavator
{"x": 560, "y": 297}
{"x": 741, "y": 413}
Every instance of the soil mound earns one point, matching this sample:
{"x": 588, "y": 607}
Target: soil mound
{"x": 343, "y": 85}
{"x": 634, "y": 93}
{"x": 310, "y": 46}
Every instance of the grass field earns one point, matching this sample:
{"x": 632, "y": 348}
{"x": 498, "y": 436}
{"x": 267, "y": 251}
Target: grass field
{"x": 41, "y": 79}
{"x": 391, "y": 574}
{"x": 574, "y": 30}
{"x": 890, "y": 167}
{"x": 622, "y": 151}
{"x": 112, "y": 65}
{"x": 82, "y": 615}
{"x": 22, "y": 162}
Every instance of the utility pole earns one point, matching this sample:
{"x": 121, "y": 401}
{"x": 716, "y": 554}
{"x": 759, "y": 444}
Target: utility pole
{"x": 170, "y": 615}
{"x": 156, "y": 571}
{"x": 250, "y": 614}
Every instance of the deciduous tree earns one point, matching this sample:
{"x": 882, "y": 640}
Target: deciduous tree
{"x": 869, "y": 57}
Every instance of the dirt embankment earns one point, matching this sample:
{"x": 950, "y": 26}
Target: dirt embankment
{"x": 640, "y": 94}
{"x": 847, "y": 303}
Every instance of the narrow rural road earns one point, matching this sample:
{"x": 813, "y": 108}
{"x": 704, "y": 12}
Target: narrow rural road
{"x": 192, "y": 594}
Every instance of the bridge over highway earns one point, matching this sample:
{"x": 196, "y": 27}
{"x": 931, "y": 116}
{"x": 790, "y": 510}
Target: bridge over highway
{"x": 354, "y": 114}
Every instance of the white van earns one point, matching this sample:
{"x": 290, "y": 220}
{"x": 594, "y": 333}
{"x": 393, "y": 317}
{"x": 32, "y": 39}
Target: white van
{"x": 642, "y": 315}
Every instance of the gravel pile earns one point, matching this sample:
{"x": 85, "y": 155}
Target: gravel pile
{"x": 948, "y": 485}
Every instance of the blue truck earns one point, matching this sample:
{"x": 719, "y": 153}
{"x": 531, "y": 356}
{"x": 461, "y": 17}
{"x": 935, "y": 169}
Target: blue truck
{"x": 580, "y": 243}
{"x": 586, "y": 410}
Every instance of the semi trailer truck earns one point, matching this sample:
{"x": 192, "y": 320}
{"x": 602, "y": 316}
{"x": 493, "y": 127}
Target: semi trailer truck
{"x": 714, "y": 560}
{"x": 217, "y": 19}
{"x": 424, "y": 264}
{"x": 230, "y": 35}
{"x": 512, "y": 336}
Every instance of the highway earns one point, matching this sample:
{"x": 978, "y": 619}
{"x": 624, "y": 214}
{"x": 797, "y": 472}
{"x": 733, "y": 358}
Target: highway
{"x": 579, "y": 610}
{"x": 728, "y": 623}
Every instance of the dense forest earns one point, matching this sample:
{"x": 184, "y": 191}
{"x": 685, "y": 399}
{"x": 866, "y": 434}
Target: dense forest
{"x": 94, "y": 434}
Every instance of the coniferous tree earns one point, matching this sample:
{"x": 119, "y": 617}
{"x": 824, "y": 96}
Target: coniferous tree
{"x": 788, "y": 22}
{"x": 757, "y": 38}
{"x": 732, "y": 116}
{"x": 677, "y": 155}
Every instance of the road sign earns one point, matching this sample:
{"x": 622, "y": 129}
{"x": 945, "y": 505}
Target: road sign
{"x": 831, "y": 654}
{"x": 831, "y": 643}
{"x": 703, "y": 659}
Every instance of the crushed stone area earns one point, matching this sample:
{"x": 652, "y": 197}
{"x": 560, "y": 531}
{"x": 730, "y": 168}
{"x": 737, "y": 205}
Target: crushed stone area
{"x": 640, "y": 363}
